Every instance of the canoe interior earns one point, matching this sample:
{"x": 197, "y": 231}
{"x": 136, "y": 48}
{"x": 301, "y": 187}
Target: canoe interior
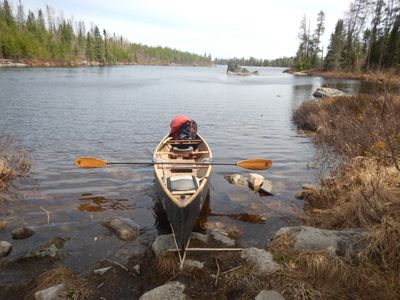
{"x": 182, "y": 183}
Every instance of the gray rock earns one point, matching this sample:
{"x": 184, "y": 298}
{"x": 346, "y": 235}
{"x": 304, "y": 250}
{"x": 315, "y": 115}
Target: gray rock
{"x": 21, "y": 233}
{"x": 52, "y": 293}
{"x": 266, "y": 188}
{"x": 199, "y": 236}
{"x": 261, "y": 260}
{"x": 5, "y": 248}
{"x": 328, "y": 92}
{"x": 170, "y": 291}
{"x": 222, "y": 238}
{"x": 193, "y": 264}
{"x": 342, "y": 243}
{"x": 255, "y": 181}
{"x": 162, "y": 243}
{"x": 269, "y": 295}
{"x": 236, "y": 179}
{"x": 102, "y": 271}
{"x": 238, "y": 70}
{"x": 125, "y": 228}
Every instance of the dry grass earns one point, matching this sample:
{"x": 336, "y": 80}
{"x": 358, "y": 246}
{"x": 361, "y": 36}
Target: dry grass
{"x": 14, "y": 161}
{"x": 75, "y": 288}
{"x": 363, "y": 133}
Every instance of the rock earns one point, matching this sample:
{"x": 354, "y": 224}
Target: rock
{"x": 199, "y": 236}
{"x": 52, "y": 293}
{"x": 266, "y": 188}
{"x": 222, "y": 238}
{"x": 5, "y": 248}
{"x": 346, "y": 243}
{"x": 238, "y": 70}
{"x": 170, "y": 291}
{"x": 136, "y": 268}
{"x": 261, "y": 260}
{"x": 193, "y": 264}
{"x": 162, "y": 243}
{"x": 102, "y": 271}
{"x": 50, "y": 249}
{"x": 21, "y": 233}
{"x": 255, "y": 181}
{"x": 328, "y": 92}
{"x": 236, "y": 179}
{"x": 125, "y": 228}
{"x": 269, "y": 295}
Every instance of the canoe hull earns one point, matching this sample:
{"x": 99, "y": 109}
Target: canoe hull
{"x": 182, "y": 219}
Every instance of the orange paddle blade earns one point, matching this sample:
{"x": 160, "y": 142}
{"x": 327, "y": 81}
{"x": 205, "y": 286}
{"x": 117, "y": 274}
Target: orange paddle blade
{"x": 255, "y": 164}
{"x": 89, "y": 162}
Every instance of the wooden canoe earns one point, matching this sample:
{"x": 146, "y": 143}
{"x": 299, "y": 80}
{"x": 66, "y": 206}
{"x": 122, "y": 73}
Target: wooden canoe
{"x": 182, "y": 181}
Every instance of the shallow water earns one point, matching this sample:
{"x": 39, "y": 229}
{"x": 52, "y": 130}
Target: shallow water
{"x": 120, "y": 114}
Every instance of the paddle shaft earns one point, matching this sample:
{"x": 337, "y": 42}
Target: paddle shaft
{"x": 171, "y": 163}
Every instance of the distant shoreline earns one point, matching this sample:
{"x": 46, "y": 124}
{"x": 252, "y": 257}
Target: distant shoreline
{"x": 9, "y": 63}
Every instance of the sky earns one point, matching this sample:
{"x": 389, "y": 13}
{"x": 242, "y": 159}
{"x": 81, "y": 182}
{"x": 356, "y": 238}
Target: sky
{"x": 265, "y": 29}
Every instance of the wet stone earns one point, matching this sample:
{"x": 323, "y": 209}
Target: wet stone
{"x": 21, "y": 233}
{"x": 255, "y": 181}
{"x": 162, "y": 243}
{"x": 236, "y": 179}
{"x": 125, "y": 228}
{"x": 222, "y": 238}
{"x": 266, "y": 188}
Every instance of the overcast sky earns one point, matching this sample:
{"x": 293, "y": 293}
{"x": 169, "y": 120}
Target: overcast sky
{"x": 259, "y": 28}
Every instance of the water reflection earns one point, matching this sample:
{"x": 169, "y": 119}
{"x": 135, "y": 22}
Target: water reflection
{"x": 94, "y": 203}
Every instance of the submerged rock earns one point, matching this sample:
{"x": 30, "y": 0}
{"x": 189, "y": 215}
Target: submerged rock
{"x": 125, "y": 228}
{"x": 162, "y": 243}
{"x": 51, "y": 293}
{"x": 346, "y": 242}
{"x": 5, "y": 248}
{"x": 21, "y": 233}
{"x": 199, "y": 236}
{"x": 269, "y": 295}
{"x": 261, "y": 260}
{"x": 328, "y": 92}
{"x": 50, "y": 249}
{"x": 169, "y": 291}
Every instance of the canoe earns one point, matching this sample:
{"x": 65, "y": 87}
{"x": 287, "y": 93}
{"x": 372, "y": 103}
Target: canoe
{"x": 182, "y": 171}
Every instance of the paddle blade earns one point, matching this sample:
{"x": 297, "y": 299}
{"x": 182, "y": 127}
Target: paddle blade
{"x": 89, "y": 162}
{"x": 255, "y": 164}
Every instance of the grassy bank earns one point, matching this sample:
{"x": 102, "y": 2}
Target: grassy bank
{"x": 359, "y": 137}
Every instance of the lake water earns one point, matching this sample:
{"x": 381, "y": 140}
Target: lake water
{"x": 120, "y": 114}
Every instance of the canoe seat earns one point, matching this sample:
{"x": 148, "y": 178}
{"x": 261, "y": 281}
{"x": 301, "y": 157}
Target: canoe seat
{"x": 182, "y": 150}
{"x": 182, "y": 184}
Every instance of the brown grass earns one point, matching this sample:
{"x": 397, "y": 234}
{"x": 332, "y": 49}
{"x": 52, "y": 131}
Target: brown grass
{"x": 14, "y": 161}
{"x": 363, "y": 135}
{"x": 75, "y": 288}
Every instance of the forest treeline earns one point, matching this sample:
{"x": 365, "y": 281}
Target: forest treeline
{"x": 279, "y": 62}
{"x": 366, "y": 39}
{"x": 43, "y": 37}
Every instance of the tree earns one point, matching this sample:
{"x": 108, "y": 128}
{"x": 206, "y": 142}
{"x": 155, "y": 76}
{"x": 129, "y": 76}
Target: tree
{"x": 335, "y": 48}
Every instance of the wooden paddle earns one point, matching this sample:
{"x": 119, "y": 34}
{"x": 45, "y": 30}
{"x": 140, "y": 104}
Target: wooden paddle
{"x": 251, "y": 164}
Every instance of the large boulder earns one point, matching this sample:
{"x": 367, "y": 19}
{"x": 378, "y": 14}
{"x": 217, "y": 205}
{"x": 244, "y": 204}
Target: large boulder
{"x": 328, "y": 92}
{"x": 169, "y": 291}
{"x": 346, "y": 242}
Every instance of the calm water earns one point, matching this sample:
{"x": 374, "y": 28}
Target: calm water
{"x": 120, "y": 114}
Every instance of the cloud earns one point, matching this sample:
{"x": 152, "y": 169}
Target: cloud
{"x": 263, "y": 29}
